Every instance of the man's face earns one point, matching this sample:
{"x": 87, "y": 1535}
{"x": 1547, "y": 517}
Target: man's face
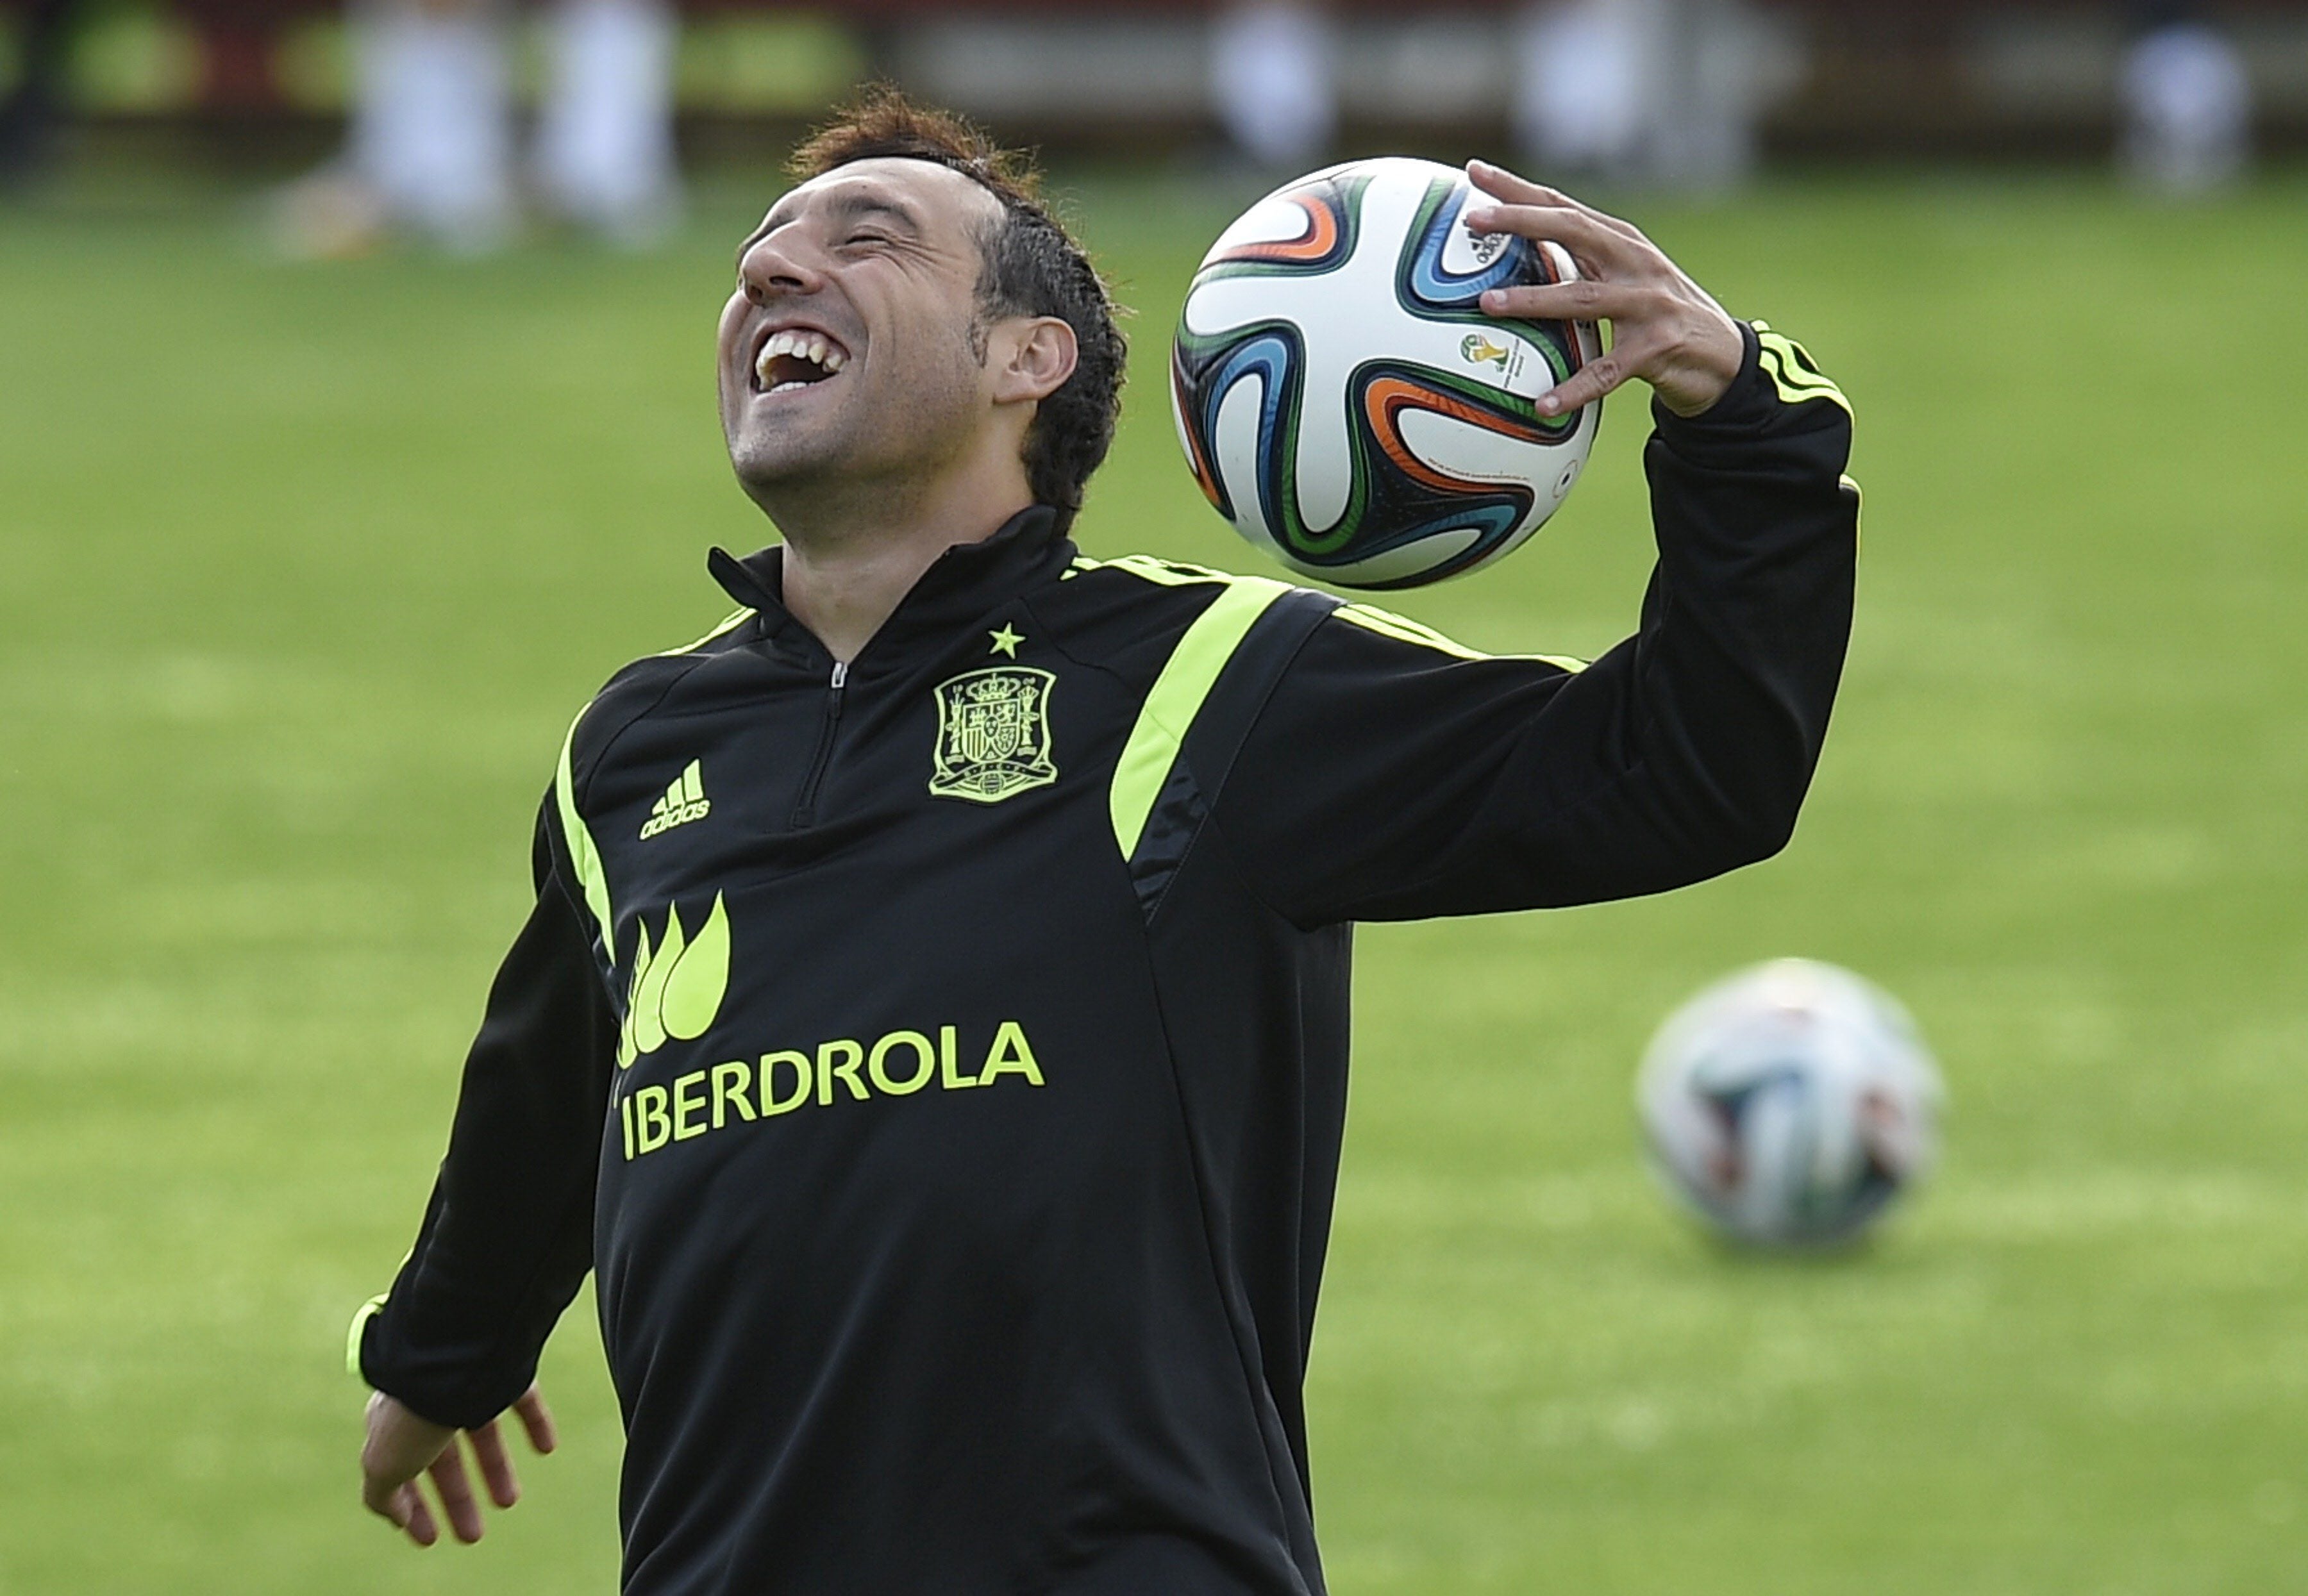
{"x": 845, "y": 352}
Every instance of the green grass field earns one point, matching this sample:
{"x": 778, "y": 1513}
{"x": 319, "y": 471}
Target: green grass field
{"x": 307, "y": 568}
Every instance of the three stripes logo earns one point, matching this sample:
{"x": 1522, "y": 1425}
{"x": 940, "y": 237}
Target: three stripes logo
{"x": 684, "y": 801}
{"x": 1792, "y": 371}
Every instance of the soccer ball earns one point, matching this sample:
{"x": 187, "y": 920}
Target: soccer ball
{"x": 1343, "y": 400}
{"x": 1790, "y": 1104}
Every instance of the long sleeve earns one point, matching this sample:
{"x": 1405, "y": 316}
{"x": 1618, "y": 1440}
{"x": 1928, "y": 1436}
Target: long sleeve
{"x": 1394, "y": 775}
{"x": 508, "y": 1235}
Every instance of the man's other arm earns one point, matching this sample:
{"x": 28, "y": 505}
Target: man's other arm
{"x": 507, "y": 1236}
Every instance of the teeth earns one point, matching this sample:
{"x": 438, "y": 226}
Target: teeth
{"x": 818, "y": 350}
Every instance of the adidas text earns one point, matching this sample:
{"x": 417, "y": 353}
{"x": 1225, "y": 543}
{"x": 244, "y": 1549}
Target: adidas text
{"x": 684, "y": 801}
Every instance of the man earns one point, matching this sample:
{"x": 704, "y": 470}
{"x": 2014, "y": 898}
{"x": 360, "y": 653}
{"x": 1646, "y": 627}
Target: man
{"x": 931, "y": 1026}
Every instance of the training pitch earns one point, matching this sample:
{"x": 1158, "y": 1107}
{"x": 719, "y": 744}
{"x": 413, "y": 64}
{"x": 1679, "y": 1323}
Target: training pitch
{"x": 307, "y": 569}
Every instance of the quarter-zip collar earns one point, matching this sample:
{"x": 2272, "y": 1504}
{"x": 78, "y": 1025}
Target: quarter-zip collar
{"x": 961, "y": 585}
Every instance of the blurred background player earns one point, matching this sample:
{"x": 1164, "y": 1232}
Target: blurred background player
{"x": 604, "y": 154}
{"x": 430, "y": 146}
{"x": 1274, "y": 82}
{"x": 32, "y": 111}
{"x": 2187, "y": 103}
{"x": 1661, "y": 91}
{"x": 1584, "y": 81}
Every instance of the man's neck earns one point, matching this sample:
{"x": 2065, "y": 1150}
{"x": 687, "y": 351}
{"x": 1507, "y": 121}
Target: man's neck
{"x": 847, "y": 566}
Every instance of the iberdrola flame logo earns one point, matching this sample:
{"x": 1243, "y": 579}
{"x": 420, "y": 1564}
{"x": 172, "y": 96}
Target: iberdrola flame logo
{"x": 677, "y": 987}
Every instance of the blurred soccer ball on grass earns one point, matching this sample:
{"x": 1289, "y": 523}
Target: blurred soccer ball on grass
{"x": 1790, "y": 1105}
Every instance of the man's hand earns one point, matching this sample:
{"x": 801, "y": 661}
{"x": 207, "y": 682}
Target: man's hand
{"x": 1664, "y": 327}
{"x": 400, "y": 1446}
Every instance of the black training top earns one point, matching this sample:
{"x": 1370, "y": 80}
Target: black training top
{"x": 942, "y": 1060}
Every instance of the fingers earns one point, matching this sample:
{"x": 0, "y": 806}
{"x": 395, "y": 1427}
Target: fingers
{"x": 536, "y": 1419}
{"x": 1667, "y": 331}
{"x": 1504, "y": 185}
{"x": 463, "y": 1512}
{"x": 1590, "y": 382}
{"x": 414, "y": 1515}
{"x": 398, "y": 1448}
{"x": 404, "y": 1506}
{"x": 1591, "y": 243}
{"x": 496, "y": 1468}
{"x": 1583, "y": 301}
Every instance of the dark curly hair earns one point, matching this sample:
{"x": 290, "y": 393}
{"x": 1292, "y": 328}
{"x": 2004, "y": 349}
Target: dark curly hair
{"x": 1032, "y": 268}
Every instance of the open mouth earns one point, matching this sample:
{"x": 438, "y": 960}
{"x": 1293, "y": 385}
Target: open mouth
{"x": 797, "y": 357}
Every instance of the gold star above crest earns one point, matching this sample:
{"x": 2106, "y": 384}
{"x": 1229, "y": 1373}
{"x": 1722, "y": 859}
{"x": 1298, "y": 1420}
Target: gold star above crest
{"x": 1005, "y": 641}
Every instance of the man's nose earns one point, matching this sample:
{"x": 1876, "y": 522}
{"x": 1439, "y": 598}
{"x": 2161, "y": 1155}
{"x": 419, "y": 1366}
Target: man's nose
{"x": 776, "y": 266}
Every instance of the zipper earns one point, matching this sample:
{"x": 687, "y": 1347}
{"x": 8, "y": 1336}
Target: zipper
{"x": 804, "y": 809}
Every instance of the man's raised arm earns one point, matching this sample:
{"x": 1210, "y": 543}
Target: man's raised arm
{"x": 1395, "y": 775}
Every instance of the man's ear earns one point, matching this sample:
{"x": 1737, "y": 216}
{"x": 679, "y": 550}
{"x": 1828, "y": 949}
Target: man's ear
{"x": 1032, "y": 356}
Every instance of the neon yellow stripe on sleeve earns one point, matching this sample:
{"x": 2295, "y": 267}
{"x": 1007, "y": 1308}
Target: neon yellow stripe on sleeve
{"x": 1177, "y": 695}
{"x": 1166, "y": 573}
{"x": 582, "y": 853}
{"x": 368, "y": 1311}
{"x": 739, "y": 618}
{"x": 1402, "y": 629}
{"x": 1793, "y": 372}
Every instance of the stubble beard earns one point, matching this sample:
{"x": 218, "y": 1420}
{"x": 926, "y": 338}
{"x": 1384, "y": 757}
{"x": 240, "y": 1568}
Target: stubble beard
{"x": 863, "y": 464}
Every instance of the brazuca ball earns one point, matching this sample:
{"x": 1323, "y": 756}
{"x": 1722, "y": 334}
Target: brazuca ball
{"x": 1790, "y": 1104}
{"x": 1344, "y": 401}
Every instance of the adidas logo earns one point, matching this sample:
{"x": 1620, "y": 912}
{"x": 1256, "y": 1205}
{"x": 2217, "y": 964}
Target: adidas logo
{"x": 684, "y": 801}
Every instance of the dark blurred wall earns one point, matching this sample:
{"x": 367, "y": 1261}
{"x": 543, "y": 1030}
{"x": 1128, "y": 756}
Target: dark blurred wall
{"x": 1837, "y": 77}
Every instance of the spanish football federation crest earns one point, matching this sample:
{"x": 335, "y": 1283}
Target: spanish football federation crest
{"x": 993, "y": 734}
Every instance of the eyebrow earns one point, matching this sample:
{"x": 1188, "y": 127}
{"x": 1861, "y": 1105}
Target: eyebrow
{"x": 848, "y": 206}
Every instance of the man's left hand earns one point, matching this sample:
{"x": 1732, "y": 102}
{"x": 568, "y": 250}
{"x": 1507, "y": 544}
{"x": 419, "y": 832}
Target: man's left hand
{"x": 1665, "y": 328}
{"x": 403, "y": 1445}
